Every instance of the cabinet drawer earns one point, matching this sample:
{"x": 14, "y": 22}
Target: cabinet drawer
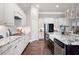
{"x": 12, "y": 49}
{"x": 5, "y": 48}
{"x": 9, "y": 51}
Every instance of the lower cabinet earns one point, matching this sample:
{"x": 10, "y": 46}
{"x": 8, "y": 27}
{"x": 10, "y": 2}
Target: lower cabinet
{"x": 5, "y": 49}
{"x": 51, "y": 45}
{"x": 9, "y": 52}
{"x": 16, "y": 47}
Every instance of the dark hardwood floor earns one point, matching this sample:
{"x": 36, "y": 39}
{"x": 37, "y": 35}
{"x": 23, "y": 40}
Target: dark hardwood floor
{"x": 38, "y": 47}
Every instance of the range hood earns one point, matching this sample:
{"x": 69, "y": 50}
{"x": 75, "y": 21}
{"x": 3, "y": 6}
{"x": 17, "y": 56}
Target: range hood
{"x": 16, "y": 17}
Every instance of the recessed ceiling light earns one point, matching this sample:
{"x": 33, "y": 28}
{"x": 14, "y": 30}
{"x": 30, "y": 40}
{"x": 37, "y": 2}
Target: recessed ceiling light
{"x": 68, "y": 10}
{"x": 37, "y": 5}
{"x": 71, "y": 14}
{"x": 57, "y": 6}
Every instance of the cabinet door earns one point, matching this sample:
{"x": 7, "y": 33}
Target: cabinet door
{"x": 10, "y": 48}
{"x": 23, "y": 43}
{"x": 34, "y": 30}
{"x": 18, "y": 47}
{"x": 6, "y": 50}
{"x": 19, "y": 12}
{"x": 1, "y": 13}
{"x": 9, "y": 14}
{"x": 78, "y": 23}
{"x": 26, "y": 41}
{"x": 24, "y": 20}
{"x": 14, "y": 49}
{"x": 74, "y": 23}
{"x": 9, "y": 51}
{"x": 34, "y": 23}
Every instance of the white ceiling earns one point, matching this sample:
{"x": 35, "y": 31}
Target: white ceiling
{"x": 49, "y": 7}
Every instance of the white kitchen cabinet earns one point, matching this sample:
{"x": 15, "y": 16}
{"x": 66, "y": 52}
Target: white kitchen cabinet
{"x": 20, "y": 45}
{"x": 19, "y": 12}
{"x": 10, "y": 48}
{"x": 74, "y": 23}
{"x": 16, "y": 47}
{"x": 26, "y": 40}
{"x": 34, "y": 23}
{"x": 78, "y": 23}
{"x": 62, "y": 21}
{"x": 24, "y": 20}
{"x": 6, "y": 13}
{"x": 9, "y": 51}
{"x": 34, "y": 30}
{"x": 9, "y": 14}
{"x": 3, "y": 49}
{"x": 1, "y": 12}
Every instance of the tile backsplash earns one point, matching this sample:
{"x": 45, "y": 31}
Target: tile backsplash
{"x": 25, "y": 30}
{"x": 4, "y": 31}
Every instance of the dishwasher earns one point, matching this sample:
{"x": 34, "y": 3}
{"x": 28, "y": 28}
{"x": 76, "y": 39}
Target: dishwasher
{"x": 59, "y": 47}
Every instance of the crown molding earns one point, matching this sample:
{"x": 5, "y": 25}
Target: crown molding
{"x": 51, "y": 12}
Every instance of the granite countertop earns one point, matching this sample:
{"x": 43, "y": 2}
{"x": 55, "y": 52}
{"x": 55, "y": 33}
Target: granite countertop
{"x": 8, "y": 40}
{"x": 66, "y": 39}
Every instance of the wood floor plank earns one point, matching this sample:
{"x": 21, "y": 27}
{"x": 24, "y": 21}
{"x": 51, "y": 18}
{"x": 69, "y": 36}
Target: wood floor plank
{"x": 38, "y": 47}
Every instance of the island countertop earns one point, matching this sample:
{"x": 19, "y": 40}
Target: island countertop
{"x": 66, "y": 39}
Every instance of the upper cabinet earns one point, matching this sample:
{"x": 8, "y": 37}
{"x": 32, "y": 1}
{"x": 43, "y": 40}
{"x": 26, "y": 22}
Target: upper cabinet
{"x": 9, "y": 14}
{"x": 8, "y": 11}
{"x": 6, "y": 14}
{"x": 2, "y": 9}
{"x": 78, "y": 23}
{"x": 19, "y": 13}
{"x": 73, "y": 23}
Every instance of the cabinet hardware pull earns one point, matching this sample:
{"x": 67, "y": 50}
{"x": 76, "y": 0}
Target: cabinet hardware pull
{"x": 15, "y": 46}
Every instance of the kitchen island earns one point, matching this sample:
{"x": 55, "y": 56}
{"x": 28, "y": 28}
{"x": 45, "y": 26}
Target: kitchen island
{"x": 65, "y": 44}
